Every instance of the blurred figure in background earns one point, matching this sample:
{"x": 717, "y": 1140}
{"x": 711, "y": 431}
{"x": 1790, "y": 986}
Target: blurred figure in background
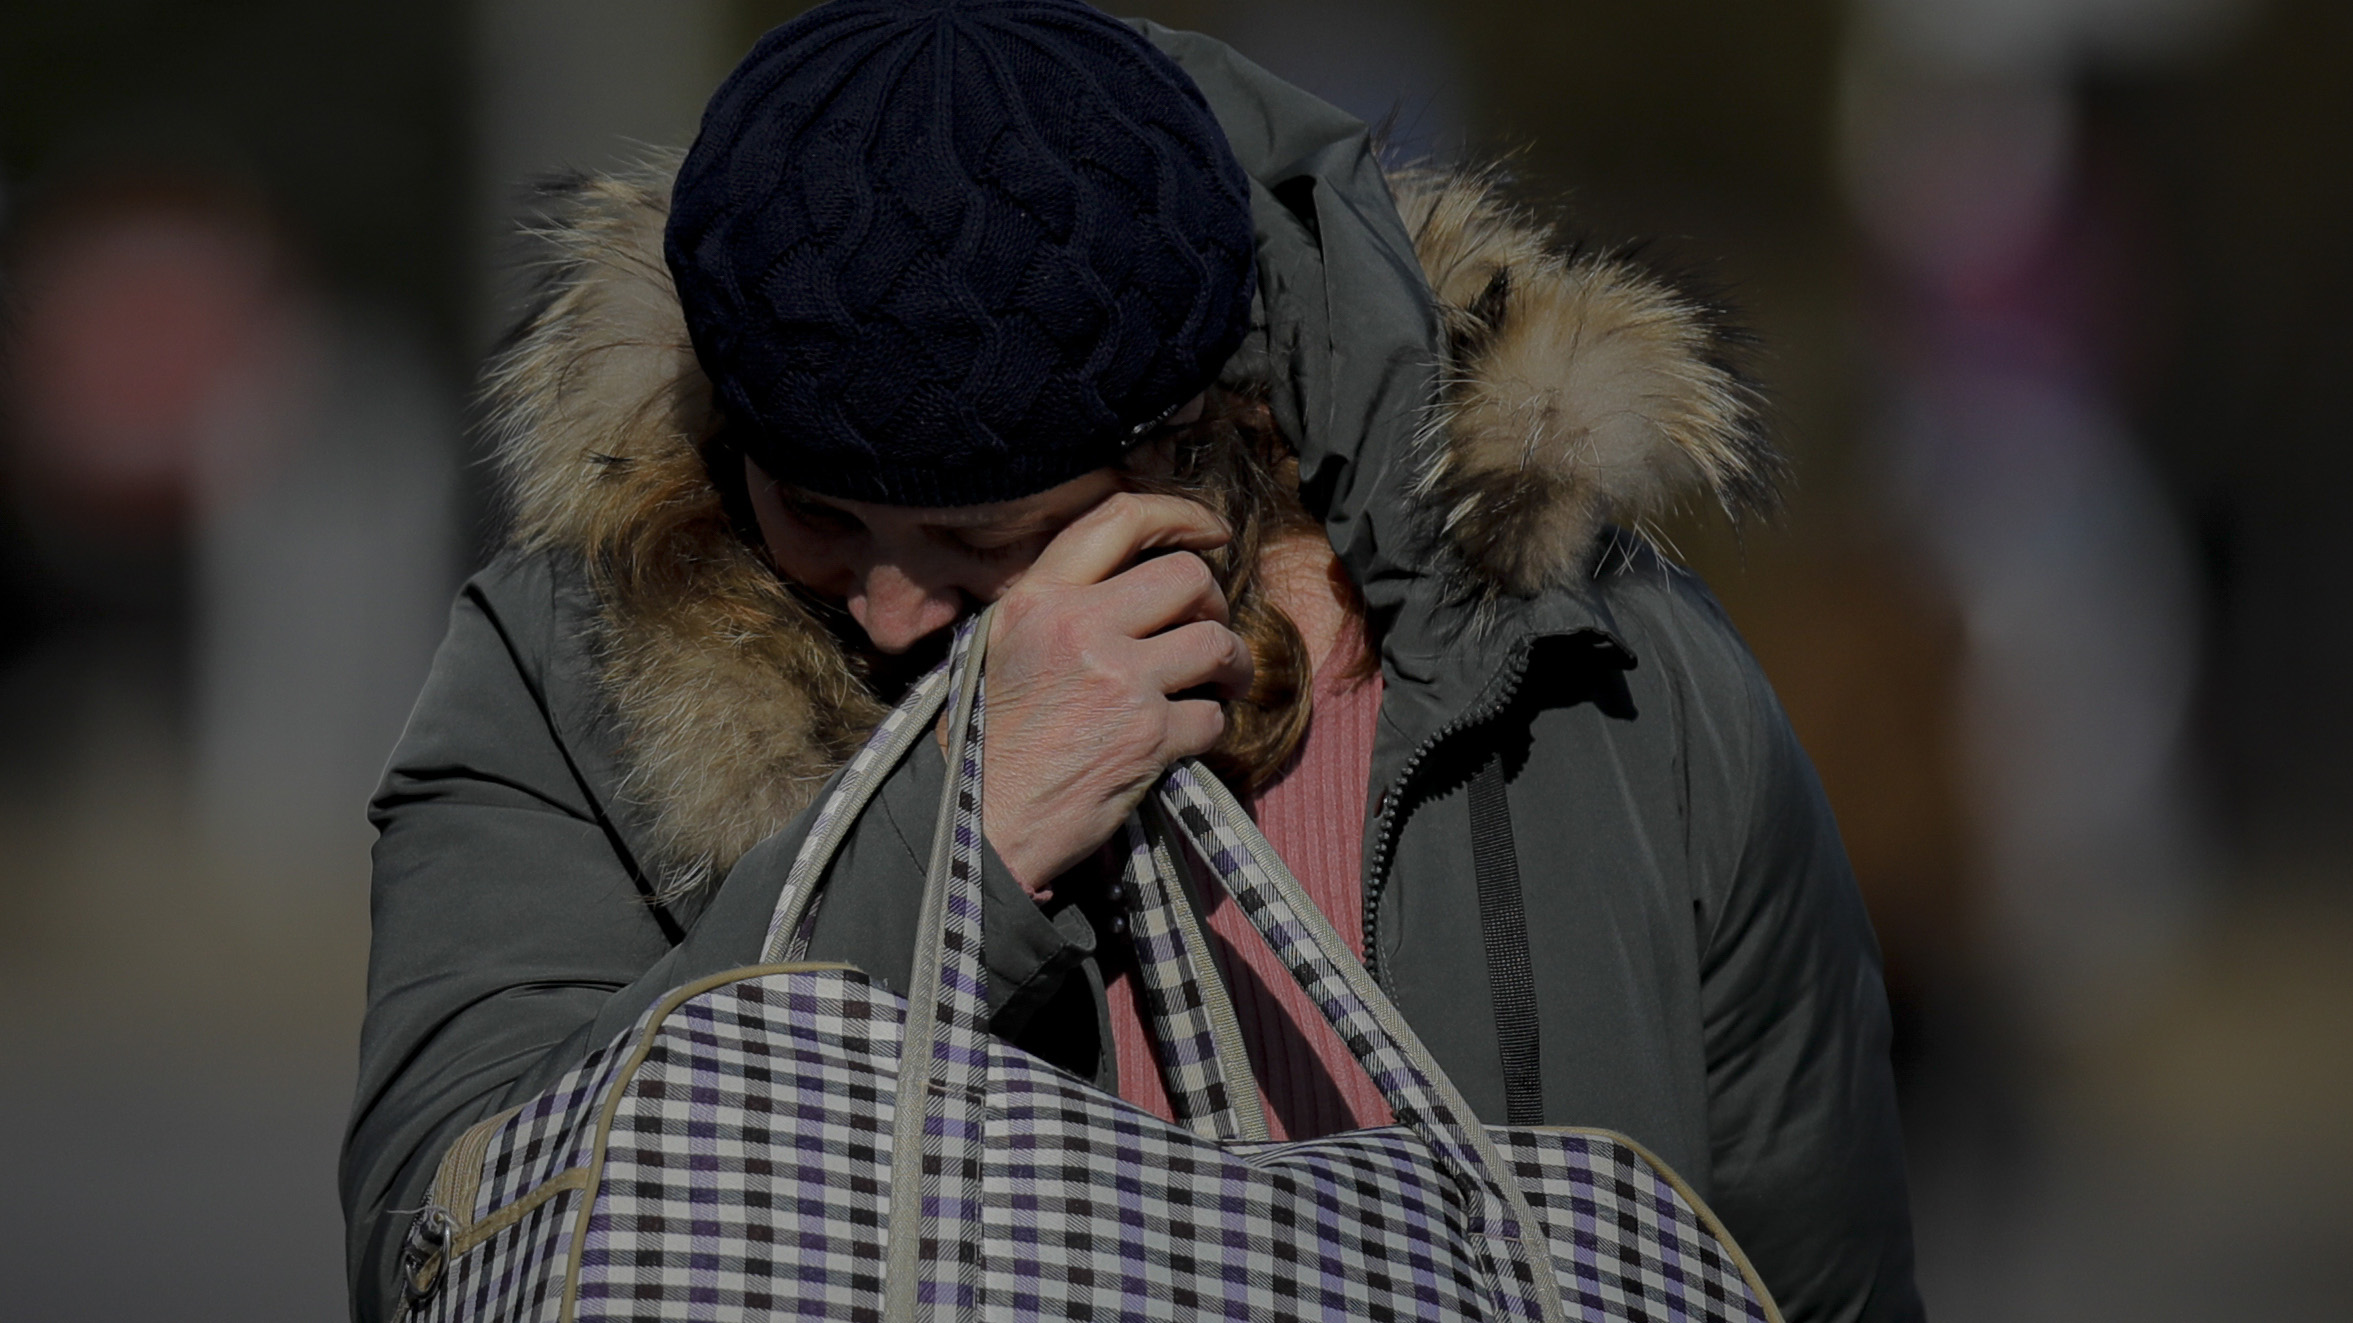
{"x": 237, "y": 270}
{"x": 239, "y": 500}
{"x": 2010, "y": 456}
{"x": 2017, "y": 288}
{"x": 177, "y": 378}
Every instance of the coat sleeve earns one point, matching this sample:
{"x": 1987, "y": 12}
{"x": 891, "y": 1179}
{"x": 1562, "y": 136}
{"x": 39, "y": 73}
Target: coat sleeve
{"x": 504, "y": 914}
{"x": 511, "y": 935}
{"x": 1807, "y": 1153}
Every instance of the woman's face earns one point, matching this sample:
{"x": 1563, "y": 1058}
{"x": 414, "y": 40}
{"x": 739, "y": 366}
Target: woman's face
{"x": 903, "y": 572}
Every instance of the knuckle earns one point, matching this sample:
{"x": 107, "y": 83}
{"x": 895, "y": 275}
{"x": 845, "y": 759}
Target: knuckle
{"x": 1181, "y": 574}
{"x": 1121, "y": 508}
{"x": 1206, "y": 731}
{"x": 1148, "y": 726}
{"x": 1197, "y": 574}
{"x": 1016, "y": 606}
{"x": 1026, "y": 600}
{"x": 1215, "y": 642}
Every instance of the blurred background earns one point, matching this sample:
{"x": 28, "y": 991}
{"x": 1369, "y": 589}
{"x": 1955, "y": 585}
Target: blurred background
{"x": 2052, "y": 298}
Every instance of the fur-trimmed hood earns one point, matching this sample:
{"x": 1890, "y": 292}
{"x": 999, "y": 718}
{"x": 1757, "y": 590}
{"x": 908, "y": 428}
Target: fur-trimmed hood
{"x": 1575, "y": 389}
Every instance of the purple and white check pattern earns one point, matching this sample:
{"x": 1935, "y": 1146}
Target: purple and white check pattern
{"x": 1224, "y": 838}
{"x": 1625, "y": 1243}
{"x": 518, "y": 1274}
{"x": 1175, "y": 1009}
{"x": 747, "y": 1171}
{"x": 955, "y": 1094}
{"x": 746, "y": 1176}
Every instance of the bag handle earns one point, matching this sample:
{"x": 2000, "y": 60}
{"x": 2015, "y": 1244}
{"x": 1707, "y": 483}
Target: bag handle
{"x": 1417, "y": 1089}
{"x": 1203, "y": 1064}
{"x": 884, "y": 750}
{"x": 1207, "y": 1072}
{"x": 932, "y": 1263}
{"x": 940, "y": 1105}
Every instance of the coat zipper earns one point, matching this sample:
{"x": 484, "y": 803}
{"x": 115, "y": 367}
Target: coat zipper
{"x": 1499, "y": 693}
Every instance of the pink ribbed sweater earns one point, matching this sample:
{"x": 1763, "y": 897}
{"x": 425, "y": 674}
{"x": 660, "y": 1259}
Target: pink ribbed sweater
{"x": 1313, "y": 814}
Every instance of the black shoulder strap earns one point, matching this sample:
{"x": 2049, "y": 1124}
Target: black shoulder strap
{"x": 1503, "y": 924}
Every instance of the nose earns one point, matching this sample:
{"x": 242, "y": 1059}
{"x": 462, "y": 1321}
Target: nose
{"x": 896, "y": 611}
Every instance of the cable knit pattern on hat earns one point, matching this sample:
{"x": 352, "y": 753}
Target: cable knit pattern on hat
{"x": 946, "y": 252}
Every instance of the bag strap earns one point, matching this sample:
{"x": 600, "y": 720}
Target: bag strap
{"x": 1409, "y": 1078}
{"x": 1203, "y": 1065}
{"x": 932, "y": 1266}
{"x": 884, "y": 750}
{"x": 1503, "y": 928}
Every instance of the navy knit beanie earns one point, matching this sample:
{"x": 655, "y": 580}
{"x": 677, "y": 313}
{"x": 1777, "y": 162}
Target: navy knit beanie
{"x": 947, "y": 252}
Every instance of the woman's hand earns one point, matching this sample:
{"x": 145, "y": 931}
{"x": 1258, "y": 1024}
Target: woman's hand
{"x": 1088, "y": 650}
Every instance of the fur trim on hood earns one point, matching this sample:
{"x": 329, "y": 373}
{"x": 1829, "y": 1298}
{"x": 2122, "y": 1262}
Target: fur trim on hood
{"x": 1579, "y": 390}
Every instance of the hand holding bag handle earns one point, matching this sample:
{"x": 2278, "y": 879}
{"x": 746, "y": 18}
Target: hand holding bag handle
{"x": 738, "y": 1147}
{"x": 1209, "y": 1081}
{"x": 941, "y": 1108}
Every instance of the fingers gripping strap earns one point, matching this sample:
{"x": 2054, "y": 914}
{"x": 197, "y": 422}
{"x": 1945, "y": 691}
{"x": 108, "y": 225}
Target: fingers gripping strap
{"x": 1417, "y": 1090}
{"x": 884, "y": 750}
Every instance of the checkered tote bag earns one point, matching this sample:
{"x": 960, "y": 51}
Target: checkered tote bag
{"x": 791, "y": 1141}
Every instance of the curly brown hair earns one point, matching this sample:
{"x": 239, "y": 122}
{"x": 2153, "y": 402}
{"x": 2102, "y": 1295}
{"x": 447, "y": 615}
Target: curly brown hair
{"x": 1234, "y": 460}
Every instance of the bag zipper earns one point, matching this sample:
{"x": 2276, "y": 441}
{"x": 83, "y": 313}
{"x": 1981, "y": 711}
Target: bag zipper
{"x": 1499, "y": 693}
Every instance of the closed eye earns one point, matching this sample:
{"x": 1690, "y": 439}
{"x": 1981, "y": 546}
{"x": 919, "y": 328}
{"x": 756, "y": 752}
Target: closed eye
{"x": 992, "y": 549}
{"x": 821, "y": 517}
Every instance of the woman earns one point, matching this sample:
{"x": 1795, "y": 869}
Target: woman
{"x": 1266, "y": 457}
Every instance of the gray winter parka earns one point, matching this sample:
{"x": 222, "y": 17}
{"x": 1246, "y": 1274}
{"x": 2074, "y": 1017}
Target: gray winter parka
{"x": 606, "y": 775}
